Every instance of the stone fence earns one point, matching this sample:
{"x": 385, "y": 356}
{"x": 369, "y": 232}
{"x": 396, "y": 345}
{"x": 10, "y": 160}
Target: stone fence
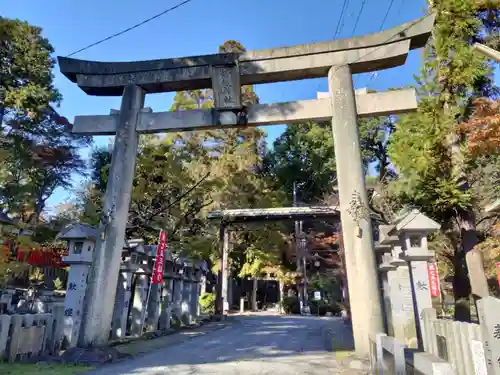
{"x": 389, "y": 356}
{"x": 449, "y": 347}
{"x": 459, "y": 343}
{"x": 29, "y": 336}
{"x": 414, "y": 341}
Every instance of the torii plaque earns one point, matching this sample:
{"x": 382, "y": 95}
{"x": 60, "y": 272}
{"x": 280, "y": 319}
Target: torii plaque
{"x": 337, "y": 59}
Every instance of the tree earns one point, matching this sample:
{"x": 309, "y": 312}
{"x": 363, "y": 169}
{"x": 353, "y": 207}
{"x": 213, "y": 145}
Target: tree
{"x": 303, "y": 155}
{"x": 40, "y": 153}
{"x": 426, "y": 147}
{"x": 483, "y": 128}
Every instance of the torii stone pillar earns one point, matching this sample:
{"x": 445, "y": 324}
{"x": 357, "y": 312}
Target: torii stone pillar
{"x": 360, "y": 259}
{"x": 106, "y": 260}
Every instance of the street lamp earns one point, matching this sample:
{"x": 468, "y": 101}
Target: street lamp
{"x": 303, "y": 250}
{"x": 316, "y": 258}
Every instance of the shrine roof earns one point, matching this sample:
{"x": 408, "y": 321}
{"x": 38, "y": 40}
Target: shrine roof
{"x": 78, "y": 231}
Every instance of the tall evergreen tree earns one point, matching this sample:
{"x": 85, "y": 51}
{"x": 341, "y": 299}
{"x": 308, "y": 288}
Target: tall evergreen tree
{"x": 426, "y": 146}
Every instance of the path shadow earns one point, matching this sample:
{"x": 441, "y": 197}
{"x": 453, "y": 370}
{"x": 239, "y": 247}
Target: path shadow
{"x": 250, "y": 338}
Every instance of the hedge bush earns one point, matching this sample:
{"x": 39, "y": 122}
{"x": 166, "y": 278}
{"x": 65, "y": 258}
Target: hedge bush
{"x": 207, "y": 303}
{"x": 291, "y": 305}
{"x": 321, "y": 307}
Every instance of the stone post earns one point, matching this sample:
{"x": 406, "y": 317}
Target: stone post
{"x": 195, "y": 294}
{"x": 178, "y": 293}
{"x": 75, "y": 296}
{"x": 165, "y": 305}
{"x": 202, "y": 288}
{"x": 221, "y": 302}
{"x": 186, "y": 295}
{"x": 489, "y": 318}
{"x": 230, "y": 290}
{"x": 153, "y": 312}
{"x": 403, "y": 310}
{"x": 385, "y": 267}
{"x": 282, "y": 295}
{"x": 139, "y": 304}
{"x": 402, "y": 324}
{"x": 122, "y": 301}
{"x": 361, "y": 265}
{"x": 255, "y": 286}
{"x": 106, "y": 260}
{"x": 225, "y": 273}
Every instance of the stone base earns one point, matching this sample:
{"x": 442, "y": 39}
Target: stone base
{"x": 354, "y": 362}
{"x": 89, "y": 356}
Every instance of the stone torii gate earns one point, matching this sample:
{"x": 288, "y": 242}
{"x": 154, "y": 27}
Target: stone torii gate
{"x": 240, "y": 216}
{"x": 225, "y": 73}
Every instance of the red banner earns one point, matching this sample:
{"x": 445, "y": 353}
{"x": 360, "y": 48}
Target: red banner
{"x": 433, "y": 279}
{"x": 160, "y": 259}
{"x": 497, "y": 265}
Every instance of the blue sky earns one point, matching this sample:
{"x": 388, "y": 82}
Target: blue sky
{"x": 199, "y": 28}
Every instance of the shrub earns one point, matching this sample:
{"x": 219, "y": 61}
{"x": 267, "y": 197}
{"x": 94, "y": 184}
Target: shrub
{"x": 185, "y": 319}
{"x": 175, "y": 322}
{"x": 207, "y": 303}
{"x": 321, "y": 308}
{"x": 291, "y": 305}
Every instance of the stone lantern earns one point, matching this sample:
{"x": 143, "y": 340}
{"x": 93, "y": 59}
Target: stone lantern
{"x": 413, "y": 228}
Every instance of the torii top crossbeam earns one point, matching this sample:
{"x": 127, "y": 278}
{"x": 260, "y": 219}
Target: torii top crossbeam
{"x": 382, "y": 50}
{"x": 273, "y": 214}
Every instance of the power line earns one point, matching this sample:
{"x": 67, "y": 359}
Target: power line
{"x": 357, "y": 19}
{"x": 131, "y": 28}
{"x": 391, "y": 3}
{"x": 399, "y": 33}
{"x": 337, "y": 29}
{"x": 400, "y": 8}
{"x": 387, "y": 14}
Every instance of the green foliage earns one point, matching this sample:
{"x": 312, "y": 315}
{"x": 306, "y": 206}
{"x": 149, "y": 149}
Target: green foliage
{"x": 303, "y": 154}
{"x": 436, "y": 173}
{"x": 207, "y": 303}
{"x": 10, "y": 240}
{"x": 58, "y": 284}
{"x": 330, "y": 289}
{"x": 175, "y": 322}
{"x": 185, "y": 319}
{"x": 39, "y": 151}
{"x": 26, "y": 69}
{"x": 321, "y": 307}
{"x": 291, "y": 305}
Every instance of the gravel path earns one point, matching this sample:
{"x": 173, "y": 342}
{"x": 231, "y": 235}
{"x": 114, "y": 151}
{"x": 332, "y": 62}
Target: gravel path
{"x": 256, "y": 345}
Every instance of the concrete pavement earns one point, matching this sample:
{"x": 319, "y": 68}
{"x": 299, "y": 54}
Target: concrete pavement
{"x": 257, "y": 345}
